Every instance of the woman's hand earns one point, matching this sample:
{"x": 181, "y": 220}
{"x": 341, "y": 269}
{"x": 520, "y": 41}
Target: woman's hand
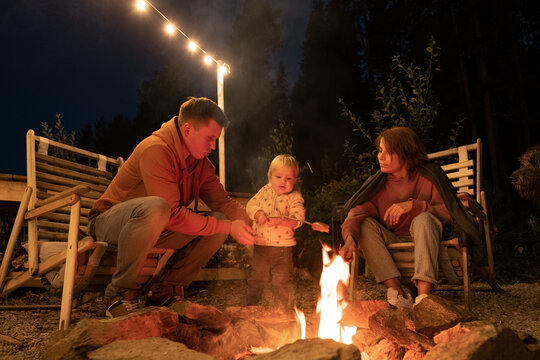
{"x": 347, "y": 251}
{"x": 394, "y": 212}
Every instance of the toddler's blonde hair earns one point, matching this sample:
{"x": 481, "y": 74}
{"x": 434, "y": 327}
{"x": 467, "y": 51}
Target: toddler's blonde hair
{"x": 283, "y": 160}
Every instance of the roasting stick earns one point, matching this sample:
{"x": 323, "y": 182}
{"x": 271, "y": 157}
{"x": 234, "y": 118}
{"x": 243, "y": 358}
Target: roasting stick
{"x": 317, "y": 226}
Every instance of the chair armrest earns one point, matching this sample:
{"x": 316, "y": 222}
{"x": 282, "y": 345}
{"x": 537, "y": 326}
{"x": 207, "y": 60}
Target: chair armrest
{"x": 472, "y": 205}
{"x": 67, "y": 197}
{"x": 79, "y": 190}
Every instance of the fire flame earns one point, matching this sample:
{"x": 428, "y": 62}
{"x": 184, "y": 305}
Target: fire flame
{"x": 301, "y": 320}
{"x": 334, "y": 279}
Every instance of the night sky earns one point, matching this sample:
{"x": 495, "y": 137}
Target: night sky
{"x": 85, "y": 59}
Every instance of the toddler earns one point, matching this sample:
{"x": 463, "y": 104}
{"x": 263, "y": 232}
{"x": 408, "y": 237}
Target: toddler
{"x": 277, "y": 210}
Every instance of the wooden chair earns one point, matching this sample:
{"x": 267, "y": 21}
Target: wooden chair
{"x": 62, "y": 184}
{"x": 463, "y": 165}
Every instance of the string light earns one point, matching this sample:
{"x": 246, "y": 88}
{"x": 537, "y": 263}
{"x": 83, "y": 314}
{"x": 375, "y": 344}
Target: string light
{"x": 170, "y": 28}
{"x": 141, "y": 5}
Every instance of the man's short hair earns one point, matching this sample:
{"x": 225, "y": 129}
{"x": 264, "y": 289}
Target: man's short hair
{"x": 404, "y": 142}
{"x": 199, "y": 111}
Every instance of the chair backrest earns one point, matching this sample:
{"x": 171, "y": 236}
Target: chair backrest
{"x": 53, "y": 167}
{"x": 463, "y": 165}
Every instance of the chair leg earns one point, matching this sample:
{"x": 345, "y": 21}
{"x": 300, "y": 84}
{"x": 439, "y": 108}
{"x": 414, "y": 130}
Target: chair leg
{"x": 466, "y": 282}
{"x": 71, "y": 263}
{"x": 487, "y": 232}
{"x": 354, "y": 274}
{"x": 8, "y": 255}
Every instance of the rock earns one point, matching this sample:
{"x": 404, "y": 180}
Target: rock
{"x": 279, "y": 326}
{"x": 414, "y": 355}
{"x": 320, "y": 349}
{"x": 434, "y": 314}
{"x": 90, "y": 334}
{"x": 385, "y": 350}
{"x": 146, "y": 349}
{"x": 365, "y": 338}
{"x": 394, "y": 324}
{"x": 204, "y": 316}
{"x": 358, "y": 312}
{"x": 481, "y": 340}
{"x": 450, "y": 334}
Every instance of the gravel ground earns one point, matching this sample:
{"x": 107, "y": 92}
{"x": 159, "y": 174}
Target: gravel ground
{"x": 516, "y": 308}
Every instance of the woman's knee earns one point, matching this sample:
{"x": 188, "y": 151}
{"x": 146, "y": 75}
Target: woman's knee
{"x": 425, "y": 220}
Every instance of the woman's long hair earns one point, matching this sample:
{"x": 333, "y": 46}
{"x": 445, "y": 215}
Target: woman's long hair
{"x": 406, "y": 144}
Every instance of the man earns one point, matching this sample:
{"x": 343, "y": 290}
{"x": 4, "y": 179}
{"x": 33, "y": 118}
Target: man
{"x": 408, "y": 197}
{"x": 145, "y": 206}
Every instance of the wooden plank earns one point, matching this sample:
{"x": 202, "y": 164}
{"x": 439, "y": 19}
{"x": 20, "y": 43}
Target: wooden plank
{"x": 11, "y": 190}
{"x": 73, "y": 166}
{"x": 116, "y": 162}
{"x": 54, "y": 170}
{"x": 46, "y": 178}
{"x": 463, "y": 183}
{"x": 462, "y": 173}
{"x": 46, "y": 190}
{"x": 221, "y": 274}
{"x": 458, "y": 165}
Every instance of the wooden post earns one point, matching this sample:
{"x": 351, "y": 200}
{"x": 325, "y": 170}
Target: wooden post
{"x": 487, "y": 231}
{"x": 14, "y": 235}
{"x": 466, "y": 282}
{"x": 221, "y": 104}
{"x": 31, "y": 182}
{"x": 71, "y": 263}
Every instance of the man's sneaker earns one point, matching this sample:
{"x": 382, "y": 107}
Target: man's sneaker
{"x": 394, "y": 298}
{"x": 165, "y": 295}
{"x": 123, "y": 304}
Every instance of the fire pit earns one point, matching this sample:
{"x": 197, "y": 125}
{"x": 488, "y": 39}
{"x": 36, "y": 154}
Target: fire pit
{"x": 368, "y": 329}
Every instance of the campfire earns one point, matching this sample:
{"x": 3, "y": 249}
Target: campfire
{"x": 334, "y": 280}
{"x": 433, "y": 327}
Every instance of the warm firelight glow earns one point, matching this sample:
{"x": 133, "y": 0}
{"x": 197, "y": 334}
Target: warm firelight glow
{"x": 334, "y": 279}
{"x": 301, "y": 320}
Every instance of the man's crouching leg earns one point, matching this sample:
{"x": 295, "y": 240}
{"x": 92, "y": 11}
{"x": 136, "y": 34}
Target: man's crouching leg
{"x": 193, "y": 253}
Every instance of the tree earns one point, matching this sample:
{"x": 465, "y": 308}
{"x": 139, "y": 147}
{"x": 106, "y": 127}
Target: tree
{"x": 250, "y": 91}
{"x": 330, "y": 70}
{"x": 160, "y": 99}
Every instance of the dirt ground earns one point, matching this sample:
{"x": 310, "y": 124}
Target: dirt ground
{"x": 517, "y": 308}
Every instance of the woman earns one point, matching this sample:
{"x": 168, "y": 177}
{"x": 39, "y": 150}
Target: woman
{"x": 409, "y": 199}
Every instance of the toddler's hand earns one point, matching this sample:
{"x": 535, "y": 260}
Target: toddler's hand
{"x": 260, "y": 217}
{"x": 274, "y": 221}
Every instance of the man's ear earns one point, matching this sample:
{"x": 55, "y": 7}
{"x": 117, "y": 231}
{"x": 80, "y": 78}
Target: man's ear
{"x": 186, "y": 129}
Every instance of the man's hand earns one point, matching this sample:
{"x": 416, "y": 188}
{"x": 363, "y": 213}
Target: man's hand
{"x": 260, "y": 217}
{"x": 347, "y": 251}
{"x": 242, "y": 232}
{"x": 394, "y": 212}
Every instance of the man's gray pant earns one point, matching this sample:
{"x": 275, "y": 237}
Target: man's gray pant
{"x": 426, "y": 232}
{"x": 138, "y": 225}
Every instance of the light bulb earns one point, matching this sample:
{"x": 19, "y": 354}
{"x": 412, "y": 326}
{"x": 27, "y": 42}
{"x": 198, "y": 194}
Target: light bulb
{"x": 141, "y": 5}
{"x": 169, "y": 28}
